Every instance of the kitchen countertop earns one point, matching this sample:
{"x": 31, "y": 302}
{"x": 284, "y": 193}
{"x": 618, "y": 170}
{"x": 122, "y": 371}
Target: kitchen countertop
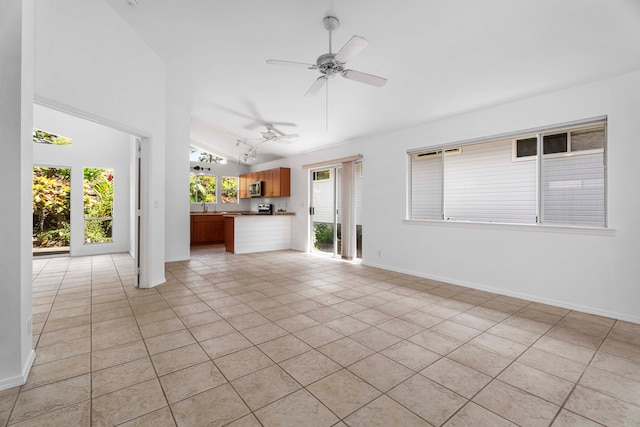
{"x": 239, "y": 213}
{"x": 224, "y": 213}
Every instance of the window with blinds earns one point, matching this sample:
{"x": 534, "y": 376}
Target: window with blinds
{"x": 505, "y": 181}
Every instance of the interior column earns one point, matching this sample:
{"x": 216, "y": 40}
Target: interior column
{"x": 16, "y": 122}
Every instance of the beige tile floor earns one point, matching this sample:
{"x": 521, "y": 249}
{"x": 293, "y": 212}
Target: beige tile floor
{"x": 292, "y": 339}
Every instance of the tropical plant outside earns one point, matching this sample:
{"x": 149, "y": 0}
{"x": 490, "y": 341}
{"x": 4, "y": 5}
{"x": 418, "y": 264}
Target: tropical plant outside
{"x": 205, "y": 157}
{"x": 98, "y": 205}
{"x": 51, "y": 207}
{"x": 323, "y": 238}
{"x": 42, "y": 137}
{"x": 202, "y": 188}
{"x": 229, "y": 189}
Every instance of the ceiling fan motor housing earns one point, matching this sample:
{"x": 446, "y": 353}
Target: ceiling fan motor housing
{"x": 331, "y": 23}
{"x": 328, "y": 65}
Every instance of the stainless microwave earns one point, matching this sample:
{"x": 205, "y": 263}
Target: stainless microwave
{"x": 255, "y": 189}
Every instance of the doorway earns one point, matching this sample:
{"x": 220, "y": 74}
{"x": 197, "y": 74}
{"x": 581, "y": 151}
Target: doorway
{"x": 104, "y": 190}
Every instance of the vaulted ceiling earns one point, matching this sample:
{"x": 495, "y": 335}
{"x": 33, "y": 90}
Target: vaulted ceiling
{"x": 440, "y": 57}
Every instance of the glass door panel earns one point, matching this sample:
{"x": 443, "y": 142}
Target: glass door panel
{"x": 51, "y": 210}
{"x": 323, "y": 208}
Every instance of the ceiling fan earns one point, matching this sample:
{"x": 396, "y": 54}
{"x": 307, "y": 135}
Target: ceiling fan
{"x": 271, "y": 134}
{"x": 330, "y": 64}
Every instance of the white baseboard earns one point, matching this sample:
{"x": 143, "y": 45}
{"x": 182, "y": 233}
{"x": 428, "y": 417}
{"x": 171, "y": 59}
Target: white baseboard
{"x": 499, "y": 291}
{"x": 19, "y": 380}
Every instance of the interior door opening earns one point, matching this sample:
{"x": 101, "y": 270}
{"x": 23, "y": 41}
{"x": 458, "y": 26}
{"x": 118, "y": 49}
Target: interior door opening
{"x": 88, "y": 187}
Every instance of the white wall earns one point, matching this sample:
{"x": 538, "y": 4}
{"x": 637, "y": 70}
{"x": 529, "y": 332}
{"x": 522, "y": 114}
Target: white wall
{"x": 16, "y": 118}
{"x": 590, "y": 272}
{"x": 93, "y": 146}
{"x": 177, "y": 226}
{"x": 90, "y": 62}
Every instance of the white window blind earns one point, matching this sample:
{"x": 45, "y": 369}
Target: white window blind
{"x": 426, "y": 185}
{"x": 573, "y": 191}
{"x": 487, "y": 181}
{"x": 484, "y": 184}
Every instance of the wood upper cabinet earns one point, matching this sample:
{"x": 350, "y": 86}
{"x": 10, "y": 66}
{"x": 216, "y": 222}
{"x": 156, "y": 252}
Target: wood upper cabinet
{"x": 276, "y": 182}
{"x": 207, "y": 229}
{"x": 244, "y": 187}
{"x": 280, "y": 182}
{"x": 267, "y": 184}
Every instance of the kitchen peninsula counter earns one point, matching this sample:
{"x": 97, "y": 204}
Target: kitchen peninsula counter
{"x": 256, "y": 233}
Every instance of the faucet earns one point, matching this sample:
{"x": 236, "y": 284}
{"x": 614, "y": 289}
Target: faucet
{"x": 204, "y": 206}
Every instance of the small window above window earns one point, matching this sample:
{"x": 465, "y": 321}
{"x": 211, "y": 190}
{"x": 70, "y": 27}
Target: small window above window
{"x": 43, "y": 137}
{"x": 555, "y": 143}
{"x": 323, "y": 175}
{"x": 198, "y": 155}
{"x": 589, "y": 139}
{"x": 565, "y": 142}
{"x": 526, "y": 147}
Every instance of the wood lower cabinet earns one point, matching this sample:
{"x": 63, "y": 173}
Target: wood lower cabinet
{"x": 276, "y": 182}
{"x": 207, "y": 229}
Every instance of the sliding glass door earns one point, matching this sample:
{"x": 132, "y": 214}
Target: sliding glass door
{"x": 327, "y": 212}
{"x": 325, "y": 218}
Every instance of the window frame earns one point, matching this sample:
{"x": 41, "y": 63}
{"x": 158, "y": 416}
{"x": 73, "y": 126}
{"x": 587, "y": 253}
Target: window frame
{"x": 237, "y": 189}
{"x": 197, "y": 176}
{"x": 314, "y": 174}
{"x": 578, "y": 125}
{"x": 570, "y": 151}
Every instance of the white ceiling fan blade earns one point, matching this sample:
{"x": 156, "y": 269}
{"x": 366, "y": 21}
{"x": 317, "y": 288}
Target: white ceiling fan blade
{"x": 293, "y": 135}
{"x": 361, "y": 77}
{"x": 316, "y": 86}
{"x": 354, "y": 46}
{"x": 292, "y": 64}
{"x": 284, "y": 141}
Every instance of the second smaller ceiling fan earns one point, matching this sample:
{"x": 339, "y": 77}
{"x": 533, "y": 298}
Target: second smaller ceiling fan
{"x": 272, "y": 134}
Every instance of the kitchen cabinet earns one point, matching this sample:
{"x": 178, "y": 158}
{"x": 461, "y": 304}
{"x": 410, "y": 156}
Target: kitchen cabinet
{"x": 244, "y": 187}
{"x": 207, "y": 229}
{"x": 267, "y": 187}
{"x": 276, "y": 182}
{"x": 281, "y": 182}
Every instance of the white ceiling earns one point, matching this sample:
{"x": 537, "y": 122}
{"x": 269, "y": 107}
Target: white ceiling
{"x": 441, "y": 58}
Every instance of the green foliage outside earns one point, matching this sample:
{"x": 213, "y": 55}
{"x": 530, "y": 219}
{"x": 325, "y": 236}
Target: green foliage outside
{"x": 229, "y": 189}
{"x": 203, "y": 156}
{"x": 323, "y": 237}
{"x": 202, "y": 188}
{"x": 42, "y": 137}
{"x": 51, "y": 207}
{"x": 98, "y": 205}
